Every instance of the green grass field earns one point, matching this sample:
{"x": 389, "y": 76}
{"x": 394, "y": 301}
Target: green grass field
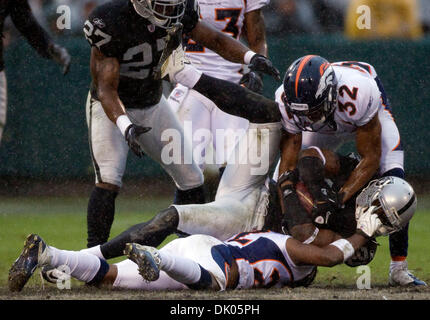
{"x": 62, "y": 223}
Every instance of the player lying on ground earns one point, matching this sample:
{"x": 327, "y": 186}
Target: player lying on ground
{"x": 295, "y": 220}
{"x": 354, "y": 107}
{"x": 127, "y": 38}
{"x": 248, "y": 260}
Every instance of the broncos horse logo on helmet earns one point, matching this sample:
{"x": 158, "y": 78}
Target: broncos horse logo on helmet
{"x": 310, "y": 92}
{"x": 162, "y": 13}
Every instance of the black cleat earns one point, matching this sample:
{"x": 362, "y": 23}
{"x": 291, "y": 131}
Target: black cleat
{"x": 35, "y": 251}
{"x": 147, "y": 258}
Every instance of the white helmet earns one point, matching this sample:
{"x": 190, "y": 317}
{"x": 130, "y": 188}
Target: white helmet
{"x": 162, "y": 13}
{"x": 395, "y": 200}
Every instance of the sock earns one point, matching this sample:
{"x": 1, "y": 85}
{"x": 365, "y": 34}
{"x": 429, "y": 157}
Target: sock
{"x": 82, "y": 266}
{"x": 100, "y": 215}
{"x": 191, "y": 196}
{"x": 96, "y": 251}
{"x": 181, "y": 269}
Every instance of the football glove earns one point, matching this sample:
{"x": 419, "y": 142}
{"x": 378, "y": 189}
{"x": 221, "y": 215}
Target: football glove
{"x": 369, "y": 224}
{"x": 61, "y": 56}
{"x": 324, "y": 207}
{"x": 132, "y": 134}
{"x": 253, "y": 81}
{"x": 260, "y": 63}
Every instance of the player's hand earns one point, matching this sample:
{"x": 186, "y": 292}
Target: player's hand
{"x": 132, "y": 133}
{"x": 324, "y": 207}
{"x": 260, "y": 63}
{"x": 253, "y": 81}
{"x": 369, "y": 224}
{"x": 61, "y": 56}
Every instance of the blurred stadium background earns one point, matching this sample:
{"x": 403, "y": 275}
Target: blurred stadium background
{"x": 45, "y": 165}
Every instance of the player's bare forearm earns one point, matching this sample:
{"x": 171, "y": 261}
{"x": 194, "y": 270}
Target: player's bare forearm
{"x": 105, "y": 74}
{"x": 290, "y": 148}
{"x": 238, "y": 101}
{"x": 328, "y": 256}
{"x": 256, "y": 32}
{"x": 368, "y": 141}
{"x": 227, "y": 47}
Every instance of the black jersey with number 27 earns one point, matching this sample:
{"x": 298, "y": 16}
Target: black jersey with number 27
{"x": 119, "y": 32}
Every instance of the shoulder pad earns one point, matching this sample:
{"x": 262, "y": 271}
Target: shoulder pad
{"x": 99, "y": 32}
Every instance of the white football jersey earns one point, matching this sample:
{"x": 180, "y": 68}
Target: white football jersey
{"x": 358, "y": 95}
{"x": 263, "y": 260}
{"x": 226, "y": 16}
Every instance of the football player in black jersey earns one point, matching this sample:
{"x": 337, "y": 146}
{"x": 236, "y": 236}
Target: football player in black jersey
{"x": 25, "y": 22}
{"x": 125, "y": 106}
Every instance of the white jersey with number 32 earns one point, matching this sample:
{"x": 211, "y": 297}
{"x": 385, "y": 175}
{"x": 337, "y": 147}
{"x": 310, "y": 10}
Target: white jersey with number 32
{"x": 359, "y": 99}
{"x": 226, "y": 16}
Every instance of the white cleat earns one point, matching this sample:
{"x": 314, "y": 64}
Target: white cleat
{"x": 401, "y": 276}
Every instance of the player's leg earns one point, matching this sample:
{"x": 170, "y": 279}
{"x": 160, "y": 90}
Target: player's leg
{"x": 199, "y": 261}
{"x": 36, "y": 253}
{"x": 109, "y": 155}
{"x": 126, "y": 275}
{"x": 392, "y": 159}
{"x": 166, "y": 144}
{"x": 3, "y": 102}
{"x": 241, "y": 200}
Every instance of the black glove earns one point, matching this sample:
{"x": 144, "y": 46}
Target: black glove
{"x": 324, "y": 207}
{"x": 61, "y": 56}
{"x": 260, "y": 63}
{"x": 253, "y": 81}
{"x": 132, "y": 133}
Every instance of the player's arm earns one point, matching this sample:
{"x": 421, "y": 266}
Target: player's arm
{"x": 105, "y": 74}
{"x": 256, "y": 32}
{"x": 231, "y": 49}
{"x": 238, "y": 101}
{"x": 38, "y": 38}
{"x": 335, "y": 253}
{"x": 290, "y": 148}
{"x": 368, "y": 142}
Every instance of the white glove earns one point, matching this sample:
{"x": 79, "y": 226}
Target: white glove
{"x": 369, "y": 223}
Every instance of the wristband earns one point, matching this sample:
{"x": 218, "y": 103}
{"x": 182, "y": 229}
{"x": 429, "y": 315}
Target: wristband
{"x": 123, "y": 122}
{"x": 345, "y": 246}
{"x": 248, "y": 56}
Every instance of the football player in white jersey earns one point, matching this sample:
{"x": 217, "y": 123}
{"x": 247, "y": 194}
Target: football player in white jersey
{"x": 234, "y": 18}
{"x": 247, "y": 260}
{"x": 325, "y": 105}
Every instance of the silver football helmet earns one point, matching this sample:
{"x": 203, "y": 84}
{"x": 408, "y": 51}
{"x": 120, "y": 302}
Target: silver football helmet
{"x": 395, "y": 202}
{"x": 161, "y": 13}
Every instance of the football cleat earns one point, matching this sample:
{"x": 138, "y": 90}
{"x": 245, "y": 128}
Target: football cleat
{"x": 401, "y": 276}
{"x": 173, "y": 57}
{"x": 53, "y": 275}
{"x": 147, "y": 258}
{"x": 33, "y": 255}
